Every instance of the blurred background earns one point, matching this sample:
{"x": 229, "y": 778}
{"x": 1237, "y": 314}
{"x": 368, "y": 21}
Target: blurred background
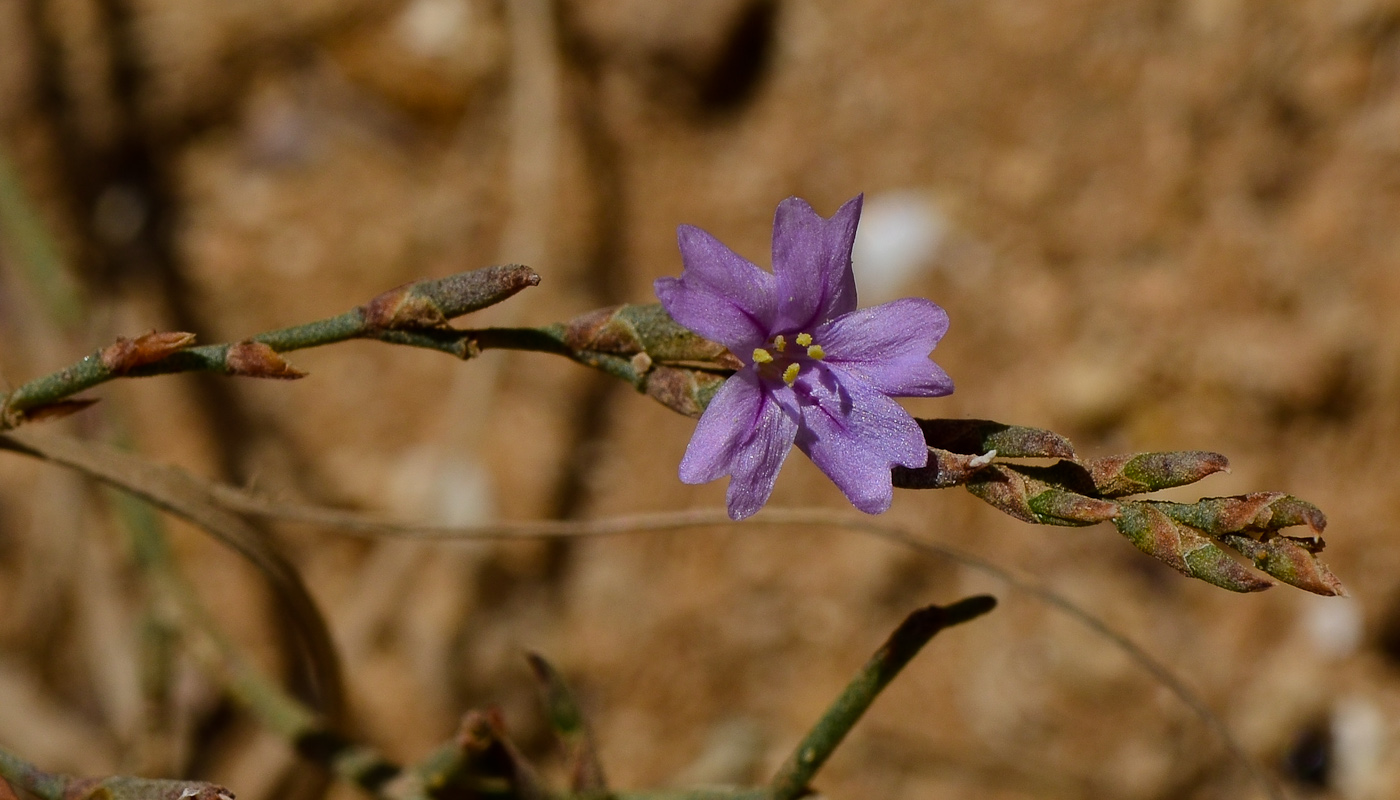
{"x": 1156, "y": 224}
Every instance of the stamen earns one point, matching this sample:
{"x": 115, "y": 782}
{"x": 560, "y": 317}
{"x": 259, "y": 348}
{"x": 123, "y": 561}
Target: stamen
{"x": 761, "y": 356}
{"x": 816, "y": 351}
{"x": 804, "y": 339}
{"x": 790, "y": 374}
{"x": 779, "y": 343}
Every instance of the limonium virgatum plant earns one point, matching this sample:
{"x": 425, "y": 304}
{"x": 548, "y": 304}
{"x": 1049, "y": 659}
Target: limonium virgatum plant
{"x": 766, "y": 361}
{"x": 817, "y": 372}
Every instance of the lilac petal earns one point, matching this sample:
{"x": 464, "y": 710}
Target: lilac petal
{"x": 756, "y": 464}
{"x": 855, "y": 434}
{"x": 812, "y": 261}
{"x": 720, "y": 295}
{"x": 728, "y": 422}
{"x": 887, "y": 347}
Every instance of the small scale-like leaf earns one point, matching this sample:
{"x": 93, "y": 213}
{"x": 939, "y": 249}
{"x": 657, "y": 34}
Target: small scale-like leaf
{"x": 1005, "y": 491}
{"x": 253, "y": 359}
{"x": 1061, "y": 507}
{"x": 125, "y": 355}
{"x": 687, "y": 391}
{"x": 1054, "y": 495}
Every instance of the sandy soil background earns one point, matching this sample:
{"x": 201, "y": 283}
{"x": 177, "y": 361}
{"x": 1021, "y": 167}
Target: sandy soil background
{"x": 1156, "y": 224}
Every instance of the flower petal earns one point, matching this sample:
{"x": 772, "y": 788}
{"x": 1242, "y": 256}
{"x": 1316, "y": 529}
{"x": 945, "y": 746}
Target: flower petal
{"x": 855, "y": 434}
{"x": 812, "y": 261}
{"x": 745, "y": 433}
{"x": 755, "y": 467}
{"x": 887, "y": 347}
{"x": 728, "y": 422}
{"x": 720, "y": 295}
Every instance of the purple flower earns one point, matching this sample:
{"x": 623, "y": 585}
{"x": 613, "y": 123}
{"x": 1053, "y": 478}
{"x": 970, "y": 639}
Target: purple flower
{"x": 817, "y": 373}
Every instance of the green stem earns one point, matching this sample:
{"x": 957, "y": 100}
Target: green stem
{"x": 906, "y": 641}
{"x": 91, "y": 371}
{"x": 415, "y": 314}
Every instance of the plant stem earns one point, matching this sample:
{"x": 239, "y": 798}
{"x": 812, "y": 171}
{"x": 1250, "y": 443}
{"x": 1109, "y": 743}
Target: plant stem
{"x": 906, "y": 641}
{"x": 414, "y": 314}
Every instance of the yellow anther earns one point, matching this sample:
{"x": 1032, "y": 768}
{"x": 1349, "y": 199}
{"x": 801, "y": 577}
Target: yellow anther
{"x": 816, "y": 351}
{"x": 804, "y": 339}
{"x": 790, "y": 374}
{"x": 761, "y": 356}
{"x": 779, "y": 343}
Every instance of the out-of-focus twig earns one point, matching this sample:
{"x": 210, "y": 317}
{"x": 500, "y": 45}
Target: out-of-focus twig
{"x": 908, "y": 639}
{"x": 581, "y": 760}
{"x": 182, "y": 494}
{"x": 311, "y": 733}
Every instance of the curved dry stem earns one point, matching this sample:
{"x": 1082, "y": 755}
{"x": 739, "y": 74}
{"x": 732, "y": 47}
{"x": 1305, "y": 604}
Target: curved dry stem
{"x": 187, "y": 496}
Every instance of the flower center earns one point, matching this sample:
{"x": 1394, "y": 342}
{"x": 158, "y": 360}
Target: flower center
{"x": 775, "y": 362}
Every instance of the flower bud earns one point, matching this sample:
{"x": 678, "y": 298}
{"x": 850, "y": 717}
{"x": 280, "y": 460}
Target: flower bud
{"x": 1290, "y": 561}
{"x": 977, "y": 436}
{"x": 1183, "y": 549}
{"x": 1119, "y": 476}
{"x": 430, "y": 303}
{"x": 1263, "y": 512}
